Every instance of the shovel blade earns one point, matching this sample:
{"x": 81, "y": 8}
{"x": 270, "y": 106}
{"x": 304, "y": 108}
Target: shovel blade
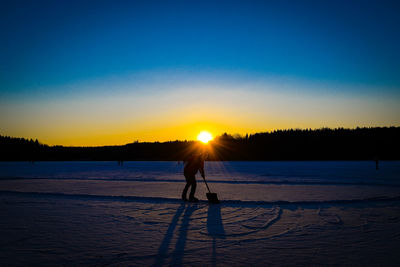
{"x": 212, "y": 198}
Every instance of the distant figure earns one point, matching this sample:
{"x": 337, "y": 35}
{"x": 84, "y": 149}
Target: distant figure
{"x": 193, "y": 164}
{"x": 120, "y": 162}
{"x": 376, "y": 159}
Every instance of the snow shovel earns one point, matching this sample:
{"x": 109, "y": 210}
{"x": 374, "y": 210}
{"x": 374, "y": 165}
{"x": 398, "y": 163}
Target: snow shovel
{"x": 212, "y": 197}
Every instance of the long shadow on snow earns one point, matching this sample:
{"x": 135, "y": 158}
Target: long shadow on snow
{"x": 179, "y": 251}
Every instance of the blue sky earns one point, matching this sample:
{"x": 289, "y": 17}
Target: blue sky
{"x": 59, "y": 48}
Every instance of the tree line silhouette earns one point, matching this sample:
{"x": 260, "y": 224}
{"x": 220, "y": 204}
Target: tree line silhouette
{"x": 293, "y": 144}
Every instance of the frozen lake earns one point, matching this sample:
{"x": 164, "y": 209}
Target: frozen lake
{"x": 251, "y": 181}
{"x": 271, "y": 213}
{"x": 347, "y": 172}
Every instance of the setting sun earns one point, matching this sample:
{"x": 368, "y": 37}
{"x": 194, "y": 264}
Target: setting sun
{"x": 204, "y": 137}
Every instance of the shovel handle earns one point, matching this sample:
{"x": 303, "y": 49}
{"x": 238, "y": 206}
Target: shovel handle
{"x": 207, "y": 185}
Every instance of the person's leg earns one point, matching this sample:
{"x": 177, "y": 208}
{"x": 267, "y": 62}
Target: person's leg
{"x": 185, "y": 191}
{"x": 193, "y": 189}
{"x": 188, "y": 183}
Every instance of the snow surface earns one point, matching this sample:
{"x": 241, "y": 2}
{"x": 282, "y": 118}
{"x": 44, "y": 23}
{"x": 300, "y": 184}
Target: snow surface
{"x": 272, "y": 213}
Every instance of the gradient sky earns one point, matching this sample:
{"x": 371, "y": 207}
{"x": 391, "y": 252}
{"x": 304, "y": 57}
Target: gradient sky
{"x": 112, "y": 72}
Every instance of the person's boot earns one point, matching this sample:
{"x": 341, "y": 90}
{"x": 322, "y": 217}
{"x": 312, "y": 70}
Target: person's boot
{"x": 193, "y": 199}
{"x": 184, "y": 197}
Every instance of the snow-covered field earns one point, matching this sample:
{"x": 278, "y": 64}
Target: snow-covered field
{"x": 271, "y": 213}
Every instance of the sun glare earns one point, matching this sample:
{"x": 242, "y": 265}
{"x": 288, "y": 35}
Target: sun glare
{"x": 204, "y": 137}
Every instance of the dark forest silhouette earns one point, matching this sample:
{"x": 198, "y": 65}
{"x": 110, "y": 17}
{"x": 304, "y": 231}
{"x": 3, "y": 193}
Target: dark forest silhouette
{"x": 320, "y": 144}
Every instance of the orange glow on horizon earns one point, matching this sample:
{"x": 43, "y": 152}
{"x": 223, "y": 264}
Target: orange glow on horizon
{"x": 175, "y": 112}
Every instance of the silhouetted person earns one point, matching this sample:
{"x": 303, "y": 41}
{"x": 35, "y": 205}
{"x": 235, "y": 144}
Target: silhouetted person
{"x": 376, "y": 159}
{"x": 193, "y": 164}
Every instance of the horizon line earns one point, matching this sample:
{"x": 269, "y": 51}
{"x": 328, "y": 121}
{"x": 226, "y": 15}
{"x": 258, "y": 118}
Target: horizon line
{"x": 235, "y": 135}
